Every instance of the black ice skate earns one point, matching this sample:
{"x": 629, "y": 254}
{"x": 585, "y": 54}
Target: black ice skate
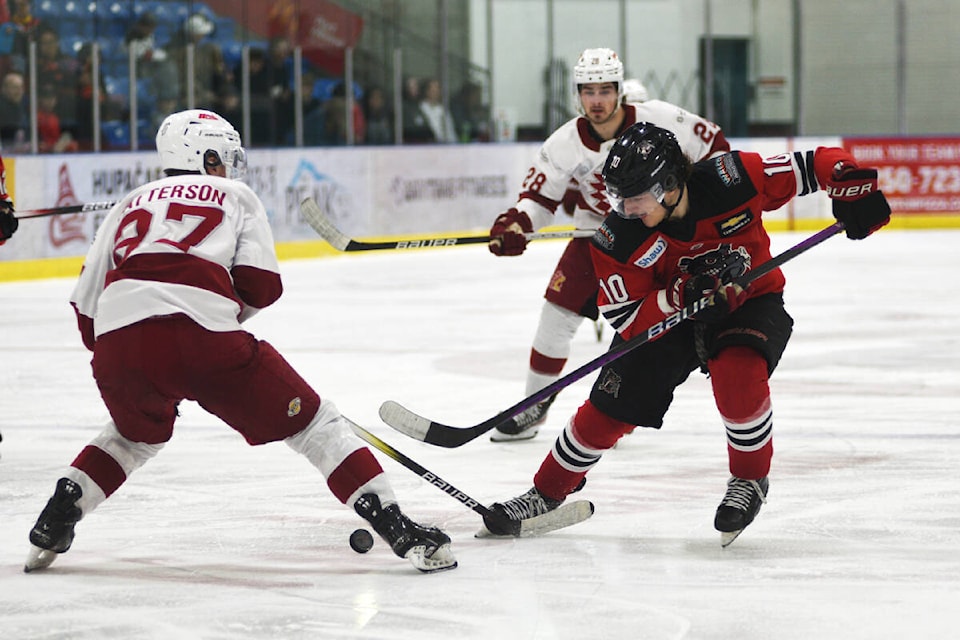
{"x": 512, "y": 512}
{"x": 53, "y": 532}
{"x": 739, "y": 507}
{"x": 427, "y": 548}
{"x": 525, "y": 425}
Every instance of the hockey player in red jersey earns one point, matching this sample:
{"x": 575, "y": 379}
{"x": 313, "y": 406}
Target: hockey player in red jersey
{"x": 572, "y": 158}
{"x": 174, "y": 270}
{"x": 684, "y": 231}
{"x": 8, "y": 222}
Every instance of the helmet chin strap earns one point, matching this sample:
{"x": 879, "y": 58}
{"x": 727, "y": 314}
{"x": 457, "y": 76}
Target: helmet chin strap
{"x": 670, "y": 208}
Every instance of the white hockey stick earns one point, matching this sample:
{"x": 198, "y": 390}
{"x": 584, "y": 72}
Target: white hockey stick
{"x": 315, "y": 217}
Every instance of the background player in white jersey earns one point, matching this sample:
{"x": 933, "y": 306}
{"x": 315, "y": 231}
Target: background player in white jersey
{"x": 174, "y": 270}
{"x": 575, "y": 153}
{"x": 684, "y": 231}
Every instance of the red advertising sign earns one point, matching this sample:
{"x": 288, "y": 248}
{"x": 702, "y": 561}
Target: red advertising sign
{"x": 918, "y": 175}
{"x": 321, "y": 27}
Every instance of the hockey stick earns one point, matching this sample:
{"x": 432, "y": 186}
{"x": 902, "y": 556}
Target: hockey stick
{"x": 563, "y": 516}
{"x": 56, "y": 211}
{"x": 420, "y": 428}
{"x": 315, "y": 217}
{"x": 427, "y": 475}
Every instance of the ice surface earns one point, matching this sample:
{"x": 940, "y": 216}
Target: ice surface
{"x": 215, "y": 539}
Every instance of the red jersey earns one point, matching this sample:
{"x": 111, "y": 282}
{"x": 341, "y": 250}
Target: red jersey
{"x": 721, "y": 233}
{"x": 3, "y": 183}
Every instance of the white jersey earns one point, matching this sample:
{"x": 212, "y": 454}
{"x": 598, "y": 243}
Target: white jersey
{"x": 191, "y": 244}
{"x": 572, "y": 157}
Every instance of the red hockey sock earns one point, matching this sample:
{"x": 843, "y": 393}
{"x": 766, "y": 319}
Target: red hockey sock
{"x": 585, "y": 438}
{"x": 742, "y": 394}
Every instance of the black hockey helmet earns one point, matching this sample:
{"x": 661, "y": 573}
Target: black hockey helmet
{"x": 644, "y": 158}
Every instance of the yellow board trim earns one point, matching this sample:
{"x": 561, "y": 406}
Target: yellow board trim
{"x": 14, "y": 270}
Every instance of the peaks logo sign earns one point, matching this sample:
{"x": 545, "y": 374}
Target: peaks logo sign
{"x": 66, "y": 228}
{"x": 334, "y": 198}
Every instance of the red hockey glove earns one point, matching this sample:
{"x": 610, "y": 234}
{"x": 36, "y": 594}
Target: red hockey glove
{"x": 506, "y": 234}
{"x": 725, "y": 297}
{"x": 8, "y": 222}
{"x": 857, "y": 202}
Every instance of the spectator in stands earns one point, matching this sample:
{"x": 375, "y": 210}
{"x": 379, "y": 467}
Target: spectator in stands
{"x": 13, "y": 113}
{"x": 379, "y": 117}
{"x": 280, "y": 71}
{"x": 312, "y": 113}
{"x": 213, "y": 81}
{"x": 153, "y": 63}
{"x": 281, "y": 63}
{"x": 52, "y": 139}
{"x": 415, "y": 127}
{"x": 83, "y": 131}
{"x": 271, "y": 95}
{"x": 471, "y": 117}
{"x": 59, "y": 71}
{"x": 335, "y": 119}
{"x": 438, "y": 118}
{"x": 22, "y": 28}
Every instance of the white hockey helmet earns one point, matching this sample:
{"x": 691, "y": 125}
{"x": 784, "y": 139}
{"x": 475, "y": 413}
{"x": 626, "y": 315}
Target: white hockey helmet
{"x": 634, "y": 91}
{"x": 195, "y": 139}
{"x": 597, "y": 66}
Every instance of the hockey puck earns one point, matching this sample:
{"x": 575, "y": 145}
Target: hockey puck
{"x": 361, "y": 541}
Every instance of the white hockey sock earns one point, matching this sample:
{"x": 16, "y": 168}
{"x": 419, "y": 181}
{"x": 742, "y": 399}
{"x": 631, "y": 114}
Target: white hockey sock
{"x": 327, "y": 442}
{"x": 555, "y": 331}
{"x": 129, "y": 455}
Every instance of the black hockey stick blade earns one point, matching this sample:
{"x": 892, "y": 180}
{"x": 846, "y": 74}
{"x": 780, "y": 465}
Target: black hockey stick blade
{"x": 340, "y": 241}
{"x": 442, "y": 435}
{"x": 73, "y": 208}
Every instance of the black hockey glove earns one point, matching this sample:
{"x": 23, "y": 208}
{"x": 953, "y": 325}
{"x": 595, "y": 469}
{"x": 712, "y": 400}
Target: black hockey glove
{"x": 725, "y": 298}
{"x": 8, "y": 222}
{"x": 857, "y": 202}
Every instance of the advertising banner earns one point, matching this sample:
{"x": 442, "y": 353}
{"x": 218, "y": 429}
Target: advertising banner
{"x": 918, "y": 175}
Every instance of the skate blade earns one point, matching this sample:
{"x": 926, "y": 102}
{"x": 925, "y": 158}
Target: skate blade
{"x": 528, "y": 434}
{"x": 563, "y": 516}
{"x": 441, "y": 559}
{"x": 727, "y": 537}
{"x": 38, "y": 559}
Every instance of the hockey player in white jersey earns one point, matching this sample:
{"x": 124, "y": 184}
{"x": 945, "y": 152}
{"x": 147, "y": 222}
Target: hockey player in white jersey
{"x": 573, "y": 157}
{"x": 174, "y": 270}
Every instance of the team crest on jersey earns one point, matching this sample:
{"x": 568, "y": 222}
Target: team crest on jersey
{"x": 557, "y": 280}
{"x": 293, "y": 408}
{"x": 650, "y": 257}
{"x": 734, "y": 223}
{"x": 727, "y": 169}
{"x": 610, "y": 383}
{"x": 724, "y": 262}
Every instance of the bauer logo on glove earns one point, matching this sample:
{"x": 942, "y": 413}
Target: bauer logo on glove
{"x": 857, "y": 202}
